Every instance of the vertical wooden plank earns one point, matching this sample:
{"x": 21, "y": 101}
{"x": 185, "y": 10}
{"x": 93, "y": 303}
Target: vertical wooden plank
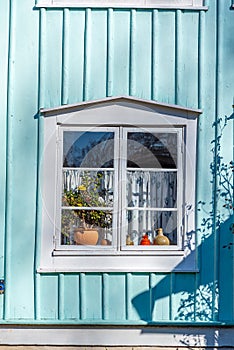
{"x": 143, "y": 54}
{"x": 187, "y": 59}
{"x": 116, "y": 301}
{"x": 155, "y": 49}
{"x": 178, "y": 55}
{"x": 65, "y": 58}
{"x": 49, "y": 297}
{"x": 161, "y": 297}
{"x": 121, "y": 59}
{"x": 93, "y": 296}
{"x": 166, "y": 56}
{"x": 82, "y": 296}
{"x": 110, "y": 52}
{"x": 183, "y": 297}
{"x": 132, "y": 54}
{"x": 71, "y": 297}
{"x": 22, "y": 138}
{"x": 139, "y": 298}
{"x": 98, "y": 54}
{"x": 54, "y": 38}
{"x": 10, "y": 92}
{"x": 105, "y": 296}
{"x": 61, "y": 297}
{"x": 42, "y": 59}
{"x": 76, "y": 55}
{"x": 4, "y": 47}
{"x": 41, "y": 97}
{"x": 205, "y": 175}
{"x": 225, "y": 155}
{"x": 87, "y": 54}
{"x": 201, "y": 58}
{"x": 216, "y": 160}
{"x": 128, "y": 286}
{"x": 21, "y": 158}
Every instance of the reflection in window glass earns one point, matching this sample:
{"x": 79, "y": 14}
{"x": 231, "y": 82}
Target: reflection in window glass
{"x": 88, "y": 149}
{"x": 152, "y": 150}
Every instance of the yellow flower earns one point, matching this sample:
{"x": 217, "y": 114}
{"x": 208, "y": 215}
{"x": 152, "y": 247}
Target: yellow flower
{"x": 82, "y": 188}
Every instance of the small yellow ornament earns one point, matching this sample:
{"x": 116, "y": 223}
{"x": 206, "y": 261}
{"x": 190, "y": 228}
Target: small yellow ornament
{"x": 129, "y": 241}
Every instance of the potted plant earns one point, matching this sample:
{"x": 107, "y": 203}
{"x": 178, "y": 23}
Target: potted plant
{"x": 90, "y": 193}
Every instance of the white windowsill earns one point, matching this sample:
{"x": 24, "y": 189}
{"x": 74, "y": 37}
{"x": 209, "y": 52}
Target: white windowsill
{"x": 121, "y": 263}
{"x": 92, "y": 5}
{"x": 106, "y": 252}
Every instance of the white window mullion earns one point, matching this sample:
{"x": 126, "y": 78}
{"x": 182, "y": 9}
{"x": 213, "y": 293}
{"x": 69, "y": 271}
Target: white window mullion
{"x": 122, "y": 188}
{"x": 117, "y": 194}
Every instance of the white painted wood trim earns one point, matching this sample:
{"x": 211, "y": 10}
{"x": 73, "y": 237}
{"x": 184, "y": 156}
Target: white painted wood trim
{"x": 160, "y": 4}
{"x": 140, "y": 263}
{"x": 118, "y": 100}
{"x": 156, "y": 336}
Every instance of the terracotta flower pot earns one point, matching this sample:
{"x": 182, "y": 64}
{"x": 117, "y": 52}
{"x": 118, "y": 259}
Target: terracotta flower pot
{"x": 85, "y": 236}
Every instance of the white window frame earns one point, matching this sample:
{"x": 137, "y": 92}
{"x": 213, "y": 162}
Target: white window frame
{"x": 154, "y": 248}
{"x": 164, "y": 4}
{"x": 118, "y": 245}
{"x": 119, "y": 111}
{"x": 83, "y": 250}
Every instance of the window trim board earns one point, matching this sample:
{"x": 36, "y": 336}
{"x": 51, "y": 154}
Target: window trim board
{"x": 167, "y": 4}
{"x": 131, "y": 112}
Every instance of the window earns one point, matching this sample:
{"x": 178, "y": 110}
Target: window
{"x": 115, "y": 174}
{"x": 190, "y": 4}
{"x": 121, "y": 183}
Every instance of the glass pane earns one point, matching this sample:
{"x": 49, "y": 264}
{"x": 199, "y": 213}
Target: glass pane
{"x": 86, "y": 227}
{"x": 145, "y": 222}
{"x": 152, "y": 150}
{"x": 151, "y": 189}
{"x": 88, "y": 149}
{"x": 88, "y": 188}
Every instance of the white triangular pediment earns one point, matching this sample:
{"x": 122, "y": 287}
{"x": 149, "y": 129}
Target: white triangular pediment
{"x": 121, "y": 106}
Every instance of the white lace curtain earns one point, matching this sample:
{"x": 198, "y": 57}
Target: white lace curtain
{"x": 156, "y": 191}
{"x": 153, "y": 190}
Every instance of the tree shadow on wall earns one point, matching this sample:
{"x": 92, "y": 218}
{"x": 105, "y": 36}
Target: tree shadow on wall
{"x": 204, "y": 302}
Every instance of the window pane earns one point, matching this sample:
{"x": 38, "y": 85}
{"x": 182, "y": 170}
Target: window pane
{"x": 141, "y": 222}
{"x": 86, "y": 227}
{"x": 152, "y": 150}
{"x": 88, "y": 188}
{"x": 85, "y": 191}
{"x": 88, "y": 149}
{"x": 151, "y": 189}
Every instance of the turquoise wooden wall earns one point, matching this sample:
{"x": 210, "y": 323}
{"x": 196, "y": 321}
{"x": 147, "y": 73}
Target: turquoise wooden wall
{"x": 62, "y": 56}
